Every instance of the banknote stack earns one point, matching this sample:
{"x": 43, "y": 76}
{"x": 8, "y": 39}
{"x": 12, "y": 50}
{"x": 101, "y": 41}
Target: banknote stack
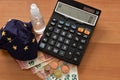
{"x": 49, "y": 68}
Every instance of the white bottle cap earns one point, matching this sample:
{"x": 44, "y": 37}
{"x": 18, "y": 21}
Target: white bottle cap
{"x": 34, "y": 10}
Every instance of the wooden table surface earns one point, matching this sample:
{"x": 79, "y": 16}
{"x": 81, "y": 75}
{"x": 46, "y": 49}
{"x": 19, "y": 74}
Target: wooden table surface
{"x": 102, "y": 58}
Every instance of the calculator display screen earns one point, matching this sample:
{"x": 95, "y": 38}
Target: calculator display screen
{"x": 76, "y": 14}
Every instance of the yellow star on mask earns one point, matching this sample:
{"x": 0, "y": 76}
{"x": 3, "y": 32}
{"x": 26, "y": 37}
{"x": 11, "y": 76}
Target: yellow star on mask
{"x": 9, "y": 39}
{"x": 33, "y": 40}
{"x": 3, "y": 33}
{"x": 9, "y": 19}
{"x": 26, "y": 48}
{"x": 25, "y": 25}
{"x": 14, "y": 47}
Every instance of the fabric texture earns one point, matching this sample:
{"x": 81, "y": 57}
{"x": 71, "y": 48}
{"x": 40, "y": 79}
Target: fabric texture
{"x": 18, "y": 39}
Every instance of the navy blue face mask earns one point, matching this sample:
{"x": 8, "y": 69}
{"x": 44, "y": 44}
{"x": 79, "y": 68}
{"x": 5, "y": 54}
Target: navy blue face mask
{"x": 18, "y": 39}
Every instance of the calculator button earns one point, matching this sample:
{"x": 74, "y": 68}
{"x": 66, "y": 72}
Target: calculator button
{"x": 45, "y": 39}
{"x": 55, "y": 50}
{"x": 57, "y": 30}
{"x": 69, "y": 35}
{"x": 52, "y": 42}
{"x": 80, "y": 29}
{"x": 74, "y": 44}
{"x": 61, "y": 53}
{"x": 64, "y": 47}
{"x": 47, "y": 34}
{"x": 87, "y": 32}
{"x": 78, "y": 53}
{"x": 76, "y": 38}
{"x": 80, "y": 47}
{"x": 58, "y": 44}
{"x": 85, "y": 36}
{"x": 54, "y": 36}
{"x": 74, "y": 26}
{"x": 75, "y": 59}
{"x": 83, "y": 41}
{"x": 72, "y": 31}
{"x": 67, "y": 24}
{"x": 70, "y": 52}
{"x": 54, "y": 19}
{"x": 67, "y": 41}
{"x": 52, "y": 23}
{"x": 49, "y": 48}
{"x": 42, "y": 45}
{"x": 50, "y": 28}
{"x": 79, "y": 34}
{"x": 61, "y": 22}
{"x": 59, "y": 26}
{"x": 66, "y": 28}
{"x": 63, "y": 33}
{"x": 60, "y": 38}
{"x": 69, "y": 55}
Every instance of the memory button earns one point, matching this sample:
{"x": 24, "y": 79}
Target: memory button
{"x": 42, "y": 45}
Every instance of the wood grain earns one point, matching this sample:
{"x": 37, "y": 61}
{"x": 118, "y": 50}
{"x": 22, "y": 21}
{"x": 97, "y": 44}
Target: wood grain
{"x": 102, "y": 58}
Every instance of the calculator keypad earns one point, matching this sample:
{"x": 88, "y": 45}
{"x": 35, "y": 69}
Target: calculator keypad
{"x": 65, "y": 40}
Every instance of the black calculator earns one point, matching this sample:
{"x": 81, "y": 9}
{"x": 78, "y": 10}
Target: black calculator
{"x": 69, "y": 30}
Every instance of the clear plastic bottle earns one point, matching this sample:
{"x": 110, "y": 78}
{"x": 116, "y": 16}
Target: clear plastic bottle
{"x": 37, "y": 19}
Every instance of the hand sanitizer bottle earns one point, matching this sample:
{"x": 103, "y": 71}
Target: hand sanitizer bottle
{"x": 37, "y": 19}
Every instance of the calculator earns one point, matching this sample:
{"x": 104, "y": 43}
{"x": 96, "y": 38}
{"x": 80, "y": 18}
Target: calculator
{"x": 69, "y": 30}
